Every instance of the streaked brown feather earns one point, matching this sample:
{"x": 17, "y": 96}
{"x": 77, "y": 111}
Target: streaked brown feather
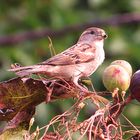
{"x": 73, "y": 55}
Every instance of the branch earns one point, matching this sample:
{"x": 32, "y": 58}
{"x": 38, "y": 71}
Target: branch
{"x": 128, "y": 18}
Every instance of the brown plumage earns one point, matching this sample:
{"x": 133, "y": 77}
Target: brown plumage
{"x": 80, "y": 60}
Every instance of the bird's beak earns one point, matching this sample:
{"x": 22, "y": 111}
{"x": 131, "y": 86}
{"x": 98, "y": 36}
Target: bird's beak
{"x": 104, "y": 36}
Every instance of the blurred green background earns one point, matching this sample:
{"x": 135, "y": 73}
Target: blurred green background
{"x": 18, "y": 17}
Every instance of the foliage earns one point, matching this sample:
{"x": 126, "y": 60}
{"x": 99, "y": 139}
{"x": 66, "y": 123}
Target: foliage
{"x": 22, "y": 16}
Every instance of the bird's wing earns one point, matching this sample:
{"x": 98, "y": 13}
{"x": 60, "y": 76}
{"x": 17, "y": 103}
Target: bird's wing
{"x": 79, "y": 53}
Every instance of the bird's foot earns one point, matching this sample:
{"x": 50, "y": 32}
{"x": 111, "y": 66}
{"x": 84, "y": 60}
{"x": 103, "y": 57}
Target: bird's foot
{"x": 82, "y": 90}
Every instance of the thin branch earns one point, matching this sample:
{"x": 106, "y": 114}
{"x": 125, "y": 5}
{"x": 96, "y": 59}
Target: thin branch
{"x": 128, "y": 18}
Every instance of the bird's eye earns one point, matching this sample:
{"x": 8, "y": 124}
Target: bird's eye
{"x": 92, "y": 32}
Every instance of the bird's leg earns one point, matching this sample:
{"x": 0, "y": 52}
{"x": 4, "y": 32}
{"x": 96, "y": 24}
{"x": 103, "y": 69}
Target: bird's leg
{"x": 83, "y": 89}
{"x": 92, "y": 85}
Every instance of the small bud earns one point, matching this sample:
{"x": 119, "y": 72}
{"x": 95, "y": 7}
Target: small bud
{"x": 81, "y": 105}
{"x": 37, "y": 129}
{"x": 32, "y": 121}
{"x": 115, "y": 76}
{"x": 135, "y": 85}
{"x": 124, "y": 64}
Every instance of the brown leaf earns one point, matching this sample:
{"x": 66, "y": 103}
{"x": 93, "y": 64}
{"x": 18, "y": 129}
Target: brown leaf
{"x": 17, "y": 95}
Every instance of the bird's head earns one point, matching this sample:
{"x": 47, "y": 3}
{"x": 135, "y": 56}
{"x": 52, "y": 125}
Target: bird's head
{"x": 93, "y": 34}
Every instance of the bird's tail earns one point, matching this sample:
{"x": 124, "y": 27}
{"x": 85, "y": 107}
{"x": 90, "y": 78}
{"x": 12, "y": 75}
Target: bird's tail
{"x": 26, "y": 71}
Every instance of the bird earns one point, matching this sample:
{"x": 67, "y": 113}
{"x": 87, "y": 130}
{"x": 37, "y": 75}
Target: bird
{"x": 80, "y": 60}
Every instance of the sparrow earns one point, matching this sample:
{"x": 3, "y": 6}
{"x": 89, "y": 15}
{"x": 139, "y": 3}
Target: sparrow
{"x": 80, "y": 60}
